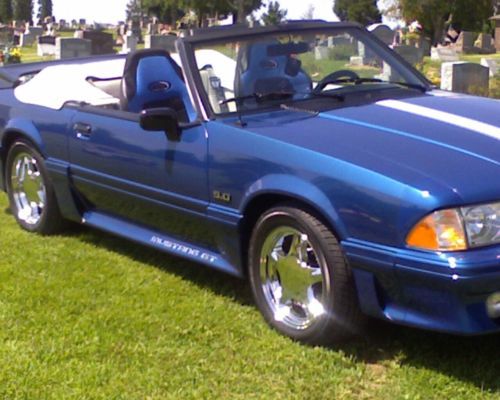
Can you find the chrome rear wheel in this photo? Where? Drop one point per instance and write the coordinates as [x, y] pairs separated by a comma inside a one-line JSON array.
[[28, 188], [31, 194]]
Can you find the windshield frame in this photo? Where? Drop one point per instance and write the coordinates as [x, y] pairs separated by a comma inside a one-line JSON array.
[[219, 35]]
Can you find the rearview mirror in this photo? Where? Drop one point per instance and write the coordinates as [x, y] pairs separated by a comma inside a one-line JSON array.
[[287, 49], [161, 119]]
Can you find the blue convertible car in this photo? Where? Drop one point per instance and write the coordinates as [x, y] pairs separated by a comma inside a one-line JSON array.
[[307, 157]]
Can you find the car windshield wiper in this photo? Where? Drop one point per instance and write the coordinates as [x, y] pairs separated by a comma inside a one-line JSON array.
[[417, 86], [359, 81], [259, 97], [330, 95]]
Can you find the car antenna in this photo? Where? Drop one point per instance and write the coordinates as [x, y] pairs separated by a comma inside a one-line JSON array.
[[240, 117], [238, 101]]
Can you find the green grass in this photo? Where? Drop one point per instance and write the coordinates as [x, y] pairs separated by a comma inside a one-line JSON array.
[[88, 316]]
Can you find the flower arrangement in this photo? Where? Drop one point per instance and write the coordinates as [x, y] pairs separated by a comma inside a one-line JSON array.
[[10, 55]]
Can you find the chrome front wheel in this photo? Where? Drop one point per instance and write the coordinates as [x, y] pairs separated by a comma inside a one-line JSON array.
[[300, 279], [292, 278]]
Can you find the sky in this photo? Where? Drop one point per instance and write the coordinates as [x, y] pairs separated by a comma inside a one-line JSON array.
[[113, 11]]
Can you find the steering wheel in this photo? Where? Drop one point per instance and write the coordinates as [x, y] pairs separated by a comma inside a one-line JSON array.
[[336, 77]]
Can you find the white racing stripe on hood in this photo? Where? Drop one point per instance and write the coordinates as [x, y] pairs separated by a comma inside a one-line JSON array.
[[448, 118]]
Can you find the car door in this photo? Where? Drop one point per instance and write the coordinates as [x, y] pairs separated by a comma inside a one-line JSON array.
[[140, 176]]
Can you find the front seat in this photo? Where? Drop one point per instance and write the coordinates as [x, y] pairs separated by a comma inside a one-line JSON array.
[[153, 79], [259, 72]]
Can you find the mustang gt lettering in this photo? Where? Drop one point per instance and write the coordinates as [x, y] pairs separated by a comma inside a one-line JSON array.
[[341, 190], [179, 248]]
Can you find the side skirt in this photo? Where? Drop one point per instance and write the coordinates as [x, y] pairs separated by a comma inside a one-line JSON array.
[[159, 241]]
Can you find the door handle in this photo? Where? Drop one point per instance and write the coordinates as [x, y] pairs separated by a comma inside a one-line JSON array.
[[83, 131]]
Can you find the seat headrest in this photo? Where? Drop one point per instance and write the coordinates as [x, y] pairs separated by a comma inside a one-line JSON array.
[[132, 63]]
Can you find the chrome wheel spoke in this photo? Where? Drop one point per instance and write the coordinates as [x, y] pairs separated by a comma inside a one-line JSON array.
[[291, 278], [28, 188]]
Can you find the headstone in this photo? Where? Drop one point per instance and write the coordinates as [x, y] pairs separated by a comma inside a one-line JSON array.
[[356, 61], [491, 64], [409, 53], [465, 77], [82, 22], [6, 35], [102, 42], [78, 34], [484, 43], [134, 26], [389, 74], [444, 54], [366, 54], [166, 42], [122, 30], [465, 42], [46, 46], [62, 24], [26, 39], [496, 20], [321, 52], [129, 43], [383, 32], [72, 48], [36, 30], [335, 41], [153, 29], [424, 45]]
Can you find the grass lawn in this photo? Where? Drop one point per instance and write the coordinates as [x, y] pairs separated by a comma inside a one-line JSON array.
[[89, 316]]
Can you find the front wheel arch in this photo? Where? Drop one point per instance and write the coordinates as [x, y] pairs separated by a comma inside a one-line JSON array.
[[264, 202]]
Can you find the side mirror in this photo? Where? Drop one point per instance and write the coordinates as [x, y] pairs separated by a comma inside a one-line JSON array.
[[161, 119]]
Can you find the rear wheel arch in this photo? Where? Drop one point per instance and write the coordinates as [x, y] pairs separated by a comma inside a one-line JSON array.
[[9, 137], [30, 190]]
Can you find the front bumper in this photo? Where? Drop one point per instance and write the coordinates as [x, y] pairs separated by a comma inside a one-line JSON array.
[[437, 291]]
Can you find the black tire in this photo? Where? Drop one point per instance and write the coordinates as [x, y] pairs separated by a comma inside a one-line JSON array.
[[272, 282], [45, 216]]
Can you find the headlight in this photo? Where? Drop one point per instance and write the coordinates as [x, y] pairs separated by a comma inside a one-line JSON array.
[[482, 224], [457, 229]]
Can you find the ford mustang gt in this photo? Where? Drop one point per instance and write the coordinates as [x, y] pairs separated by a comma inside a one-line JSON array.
[[307, 157]]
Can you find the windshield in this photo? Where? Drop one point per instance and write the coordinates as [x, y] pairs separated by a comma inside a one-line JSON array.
[[241, 75]]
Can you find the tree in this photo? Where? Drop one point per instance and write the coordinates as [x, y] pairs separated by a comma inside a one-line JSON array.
[[365, 12], [434, 15], [6, 13], [171, 10], [275, 14], [496, 6], [309, 14], [23, 10], [243, 8], [391, 9], [45, 8], [470, 15]]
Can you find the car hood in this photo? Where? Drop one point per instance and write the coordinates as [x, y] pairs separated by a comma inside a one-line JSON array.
[[439, 139]]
